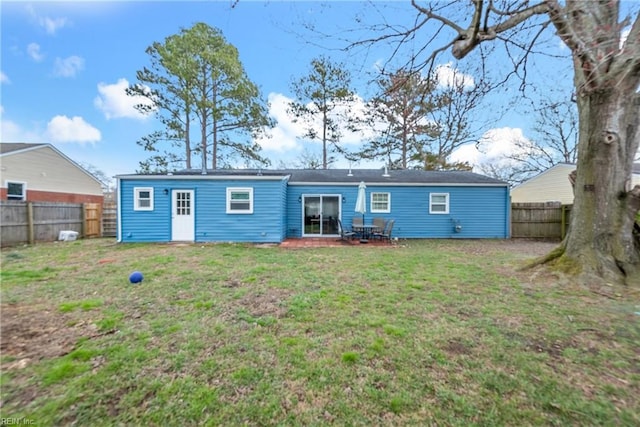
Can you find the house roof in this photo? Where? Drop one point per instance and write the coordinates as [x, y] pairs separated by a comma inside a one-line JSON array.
[[12, 147], [400, 176], [338, 176]]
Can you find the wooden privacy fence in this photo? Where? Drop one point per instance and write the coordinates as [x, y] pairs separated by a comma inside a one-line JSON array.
[[539, 220], [30, 222]]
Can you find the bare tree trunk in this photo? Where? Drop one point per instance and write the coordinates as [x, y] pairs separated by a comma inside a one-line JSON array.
[[214, 120], [187, 140], [324, 138], [600, 242]]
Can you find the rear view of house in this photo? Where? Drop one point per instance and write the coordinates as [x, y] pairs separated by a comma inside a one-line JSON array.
[[268, 206], [41, 173]]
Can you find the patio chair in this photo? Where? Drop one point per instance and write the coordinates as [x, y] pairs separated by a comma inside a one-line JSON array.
[[380, 223], [386, 233], [345, 234], [356, 222]]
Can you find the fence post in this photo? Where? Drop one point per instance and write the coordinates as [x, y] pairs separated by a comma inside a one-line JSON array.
[[30, 229]]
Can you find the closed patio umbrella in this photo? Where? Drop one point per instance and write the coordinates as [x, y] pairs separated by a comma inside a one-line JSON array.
[[361, 201]]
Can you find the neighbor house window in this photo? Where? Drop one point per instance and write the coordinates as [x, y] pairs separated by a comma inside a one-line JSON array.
[[380, 202], [439, 203], [16, 190], [143, 199], [240, 200]]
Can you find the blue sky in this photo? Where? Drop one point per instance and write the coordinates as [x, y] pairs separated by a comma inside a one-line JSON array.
[[65, 66]]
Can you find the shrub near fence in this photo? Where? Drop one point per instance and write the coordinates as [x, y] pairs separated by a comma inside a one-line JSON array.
[[30, 222], [539, 220]]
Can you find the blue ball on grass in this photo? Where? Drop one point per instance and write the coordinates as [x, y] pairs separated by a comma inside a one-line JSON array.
[[136, 277]]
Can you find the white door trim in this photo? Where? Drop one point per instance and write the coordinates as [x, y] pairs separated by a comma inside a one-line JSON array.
[[183, 225]]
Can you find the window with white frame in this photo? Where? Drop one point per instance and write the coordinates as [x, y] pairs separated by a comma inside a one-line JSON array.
[[239, 200], [143, 199], [380, 202], [439, 203], [16, 190]]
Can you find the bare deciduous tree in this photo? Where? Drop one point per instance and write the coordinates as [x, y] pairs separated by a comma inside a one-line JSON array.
[[601, 245]]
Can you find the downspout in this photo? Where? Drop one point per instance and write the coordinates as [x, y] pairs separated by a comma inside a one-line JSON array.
[[118, 212]]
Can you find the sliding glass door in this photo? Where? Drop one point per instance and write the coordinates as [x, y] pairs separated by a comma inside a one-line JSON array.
[[320, 214]]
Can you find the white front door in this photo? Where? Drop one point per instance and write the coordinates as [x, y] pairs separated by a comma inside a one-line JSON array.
[[182, 218]]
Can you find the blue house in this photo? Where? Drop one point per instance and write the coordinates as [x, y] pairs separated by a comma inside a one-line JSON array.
[[268, 206]]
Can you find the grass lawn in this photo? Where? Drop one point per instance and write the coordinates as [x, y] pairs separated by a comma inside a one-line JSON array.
[[424, 333]]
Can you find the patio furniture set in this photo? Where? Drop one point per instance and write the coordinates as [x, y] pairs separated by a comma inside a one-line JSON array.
[[379, 229]]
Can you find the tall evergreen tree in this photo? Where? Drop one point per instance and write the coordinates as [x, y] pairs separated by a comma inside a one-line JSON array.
[[197, 85], [421, 119], [323, 98]]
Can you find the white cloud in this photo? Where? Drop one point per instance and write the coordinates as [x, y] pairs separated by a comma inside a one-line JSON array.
[[114, 102], [288, 133], [4, 78], [50, 25], [448, 76], [283, 137], [75, 129], [493, 148], [12, 132], [68, 67], [33, 50]]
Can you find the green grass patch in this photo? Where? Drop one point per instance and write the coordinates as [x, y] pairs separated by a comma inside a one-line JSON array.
[[85, 305], [424, 333]]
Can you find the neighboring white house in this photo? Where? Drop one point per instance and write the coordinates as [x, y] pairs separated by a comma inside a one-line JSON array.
[[553, 185], [40, 172]]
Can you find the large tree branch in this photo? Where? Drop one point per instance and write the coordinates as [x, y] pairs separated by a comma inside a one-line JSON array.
[[468, 39], [567, 33], [592, 33], [629, 57]]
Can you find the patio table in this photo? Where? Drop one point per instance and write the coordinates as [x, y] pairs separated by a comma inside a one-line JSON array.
[[365, 230]]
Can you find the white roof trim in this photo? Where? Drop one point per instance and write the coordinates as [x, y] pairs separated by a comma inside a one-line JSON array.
[[398, 184], [205, 177]]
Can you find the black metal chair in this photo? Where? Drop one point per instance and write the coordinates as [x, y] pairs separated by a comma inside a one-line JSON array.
[[380, 223], [344, 234], [386, 233]]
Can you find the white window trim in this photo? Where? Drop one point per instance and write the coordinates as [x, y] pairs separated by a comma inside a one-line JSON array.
[[446, 204], [371, 203], [24, 189], [239, 190], [136, 199]]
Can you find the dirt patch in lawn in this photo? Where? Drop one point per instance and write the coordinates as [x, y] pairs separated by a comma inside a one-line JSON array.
[[31, 333], [526, 247]]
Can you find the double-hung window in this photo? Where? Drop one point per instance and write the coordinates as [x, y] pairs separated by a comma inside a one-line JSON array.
[[143, 199], [239, 200], [380, 202], [16, 190], [439, 203]]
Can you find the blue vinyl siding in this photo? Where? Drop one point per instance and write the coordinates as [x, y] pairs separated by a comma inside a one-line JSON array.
[[481, 211], [145, 226], [212, 223]]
